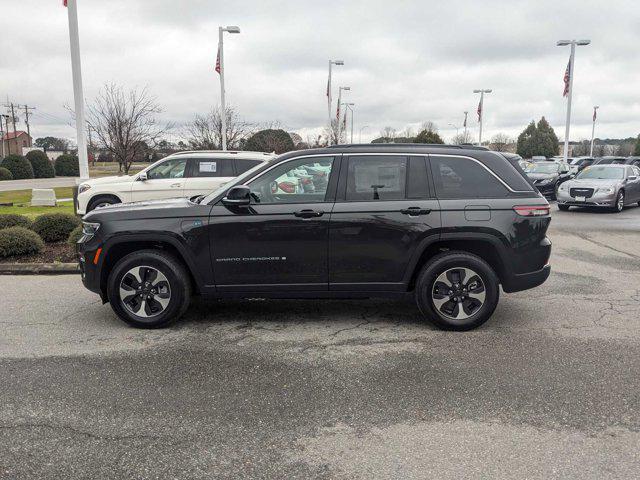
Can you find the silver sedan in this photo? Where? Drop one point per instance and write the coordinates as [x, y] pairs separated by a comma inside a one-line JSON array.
[[610, 186]]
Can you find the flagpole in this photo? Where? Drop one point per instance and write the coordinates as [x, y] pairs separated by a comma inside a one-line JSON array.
[[223, 108], [76, 70], [565, 153], [593, 129]]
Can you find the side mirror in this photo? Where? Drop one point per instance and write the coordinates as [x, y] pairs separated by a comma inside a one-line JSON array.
[[142, 177], [632, 178], [238, 196]]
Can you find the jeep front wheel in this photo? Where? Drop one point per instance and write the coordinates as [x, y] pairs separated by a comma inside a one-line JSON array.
[[149, 289], [457, 291]]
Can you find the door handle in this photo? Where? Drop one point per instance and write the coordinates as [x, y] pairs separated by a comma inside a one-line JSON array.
[[308, 213], [175, 185], [415, 211]]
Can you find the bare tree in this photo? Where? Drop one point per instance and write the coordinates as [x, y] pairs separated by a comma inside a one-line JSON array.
[[205, 132], [336, 133], [388, 134], [501, 142], [462, 138], [124, 123], [429, 126]]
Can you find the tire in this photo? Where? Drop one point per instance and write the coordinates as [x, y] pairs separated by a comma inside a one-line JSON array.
[[162, 301], [441, 269], [618, 206], [563, 208], [101, 201]]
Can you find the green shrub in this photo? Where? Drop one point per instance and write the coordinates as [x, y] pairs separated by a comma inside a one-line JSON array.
[[8, 220], [55, 227], [18, 166], [75, 235], [5, 174], [41, 164], [67, 166], [270, 140], [19, 241]]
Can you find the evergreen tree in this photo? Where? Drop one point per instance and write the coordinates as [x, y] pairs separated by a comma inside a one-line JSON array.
[[537, 139], [636, 151], [428, 136]]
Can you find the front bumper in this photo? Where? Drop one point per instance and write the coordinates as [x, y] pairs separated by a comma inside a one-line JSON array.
[[548, 190], [598, 199]]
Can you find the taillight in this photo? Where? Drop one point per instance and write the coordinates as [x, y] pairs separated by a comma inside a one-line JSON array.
[[532, 210]]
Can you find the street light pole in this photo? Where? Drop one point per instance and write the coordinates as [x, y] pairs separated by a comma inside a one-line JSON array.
[[593, 128], [362, 128], [572, 43], [481, 110], [329, 99], [349, 107], [223, 107]]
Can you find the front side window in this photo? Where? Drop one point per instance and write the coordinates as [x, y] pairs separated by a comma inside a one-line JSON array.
[[458, 177], [297, 181], [376, 178], [173, 168], [213, 167]]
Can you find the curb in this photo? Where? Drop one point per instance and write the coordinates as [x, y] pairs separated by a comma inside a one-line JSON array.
[[38, 268]]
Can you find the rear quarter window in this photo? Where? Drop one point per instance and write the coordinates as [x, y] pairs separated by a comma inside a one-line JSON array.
[[459, 177]]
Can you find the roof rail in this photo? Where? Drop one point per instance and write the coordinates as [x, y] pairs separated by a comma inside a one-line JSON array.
[[408, 145], [189, 152]]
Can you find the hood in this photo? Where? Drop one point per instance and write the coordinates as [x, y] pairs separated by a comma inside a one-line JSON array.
[[542, 176], [111, 179], [169, 207]]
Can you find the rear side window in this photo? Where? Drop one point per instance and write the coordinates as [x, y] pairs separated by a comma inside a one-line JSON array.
[[376, 178], [212, 167], [458, 177], [243, 164]]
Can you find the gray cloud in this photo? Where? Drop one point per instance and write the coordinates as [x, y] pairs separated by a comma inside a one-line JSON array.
[[406, 61]]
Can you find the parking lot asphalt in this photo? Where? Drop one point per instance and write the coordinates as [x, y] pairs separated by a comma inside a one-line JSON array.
[[548, 388]]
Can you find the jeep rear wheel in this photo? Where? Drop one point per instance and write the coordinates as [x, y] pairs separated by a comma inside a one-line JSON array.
[[149, 289], [457, 291]]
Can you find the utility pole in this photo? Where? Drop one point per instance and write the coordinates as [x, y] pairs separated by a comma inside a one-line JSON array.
[[13, 120], [1, 138], [6, 134], [26, 120]]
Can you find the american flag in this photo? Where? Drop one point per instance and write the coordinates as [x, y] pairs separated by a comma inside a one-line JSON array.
[[480, 109], [465, 121], [567, 79], [338, 112], [218, 61], [64, 3], [594, 114], [344, 121]]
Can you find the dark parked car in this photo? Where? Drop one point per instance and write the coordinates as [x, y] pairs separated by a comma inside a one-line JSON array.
[[444, 225], [547, 176], [633, 161]]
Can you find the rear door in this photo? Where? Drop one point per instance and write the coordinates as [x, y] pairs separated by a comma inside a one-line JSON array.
[[205, 174], [384, 211]]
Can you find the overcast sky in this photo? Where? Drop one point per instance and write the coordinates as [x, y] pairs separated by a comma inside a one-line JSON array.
[[406, 61]]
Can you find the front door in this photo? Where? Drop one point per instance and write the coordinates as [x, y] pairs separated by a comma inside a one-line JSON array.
[[165, 180], [383, 213], [279, 242]]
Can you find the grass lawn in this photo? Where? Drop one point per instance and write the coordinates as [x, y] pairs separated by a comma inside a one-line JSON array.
[[21, 199]]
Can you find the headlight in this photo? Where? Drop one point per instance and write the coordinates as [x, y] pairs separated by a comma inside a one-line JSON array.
[[89, 229], [608, 190], [83, 188], [544, 181]]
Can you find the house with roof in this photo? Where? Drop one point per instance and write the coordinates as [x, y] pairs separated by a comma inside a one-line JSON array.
[[14, 142]]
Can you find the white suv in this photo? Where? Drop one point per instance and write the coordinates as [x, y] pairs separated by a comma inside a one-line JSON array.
[[182, 174]]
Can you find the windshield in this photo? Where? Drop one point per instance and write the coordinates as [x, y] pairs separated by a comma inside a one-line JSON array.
[[601, 173], [236, 181], [542, 168]]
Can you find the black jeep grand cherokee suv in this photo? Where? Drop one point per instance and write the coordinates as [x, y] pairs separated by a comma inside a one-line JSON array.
[[443, 224]]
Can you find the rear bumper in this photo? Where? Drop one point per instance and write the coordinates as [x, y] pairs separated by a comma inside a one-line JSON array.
[[525, 281]]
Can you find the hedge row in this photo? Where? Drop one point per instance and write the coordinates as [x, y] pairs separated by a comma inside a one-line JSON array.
[[37, 165], [20, 236]]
